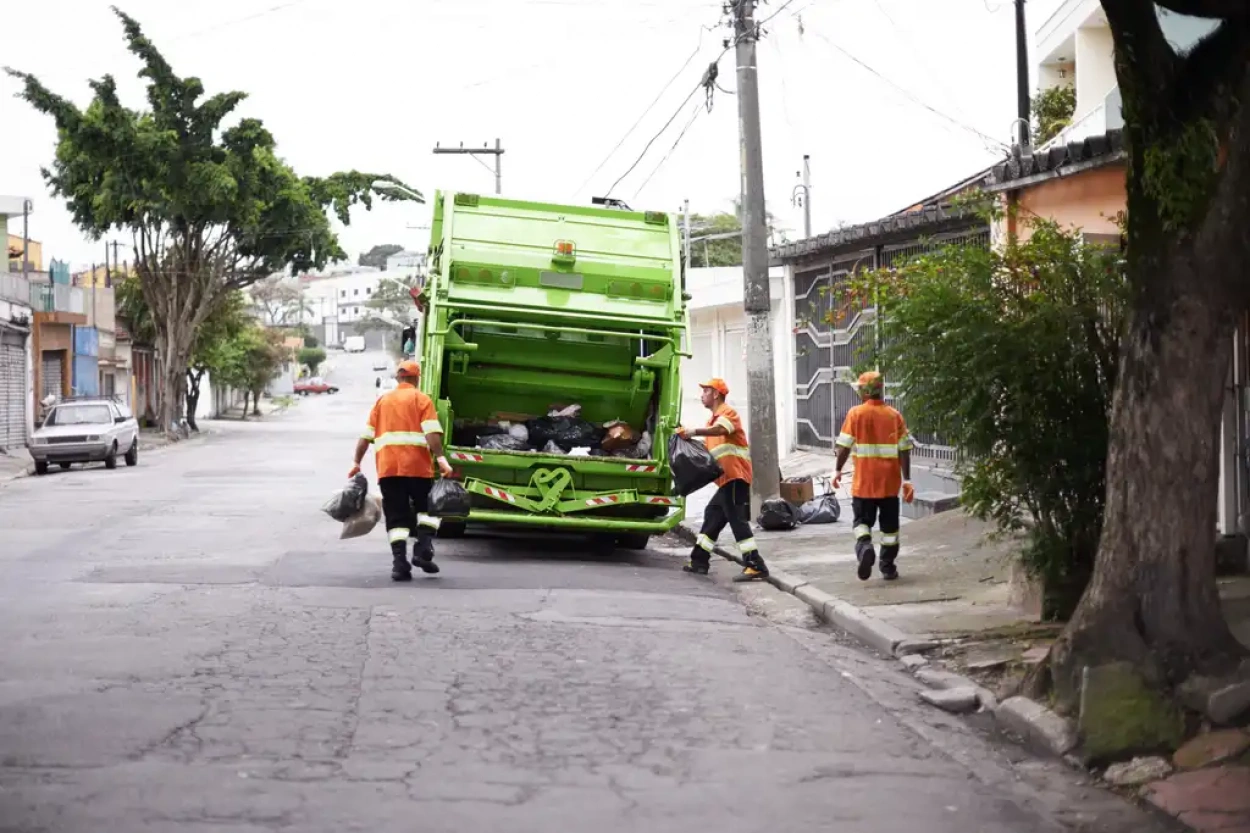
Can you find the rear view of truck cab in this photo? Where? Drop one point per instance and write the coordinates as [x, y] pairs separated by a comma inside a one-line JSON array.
[[551, 343]]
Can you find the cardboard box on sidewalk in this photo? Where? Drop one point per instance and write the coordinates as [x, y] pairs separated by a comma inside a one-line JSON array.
[[797, 490]]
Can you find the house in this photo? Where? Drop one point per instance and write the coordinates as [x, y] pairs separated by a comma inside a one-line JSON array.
[[16, 324], [1077, 178], [407, 261], [716, 340]]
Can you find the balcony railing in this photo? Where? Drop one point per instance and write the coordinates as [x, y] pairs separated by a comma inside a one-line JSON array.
[[14, 287], [57, 297], [1106, 116]]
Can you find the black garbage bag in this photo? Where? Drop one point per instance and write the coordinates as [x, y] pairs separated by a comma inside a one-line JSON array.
[[468, 434], [820, 510], [777, 514], [349, 500], [552, 448], [693, 465], [565, 431], [502, 442], [448, 499]]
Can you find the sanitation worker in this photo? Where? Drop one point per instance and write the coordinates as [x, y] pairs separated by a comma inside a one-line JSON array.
[[408, 440], [731, 505], [877, 435]]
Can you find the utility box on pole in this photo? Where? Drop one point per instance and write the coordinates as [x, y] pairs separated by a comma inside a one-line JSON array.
[[761, 386]]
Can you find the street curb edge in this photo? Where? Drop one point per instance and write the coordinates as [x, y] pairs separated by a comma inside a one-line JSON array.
[[1021, 715]]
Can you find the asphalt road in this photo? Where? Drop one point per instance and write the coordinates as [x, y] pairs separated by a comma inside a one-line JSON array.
[[187, 646]]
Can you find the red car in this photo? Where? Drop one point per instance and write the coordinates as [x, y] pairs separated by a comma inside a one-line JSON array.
[[314, 385]]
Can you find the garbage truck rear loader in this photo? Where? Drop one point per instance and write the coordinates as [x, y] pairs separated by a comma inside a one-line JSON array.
[[530, 310]]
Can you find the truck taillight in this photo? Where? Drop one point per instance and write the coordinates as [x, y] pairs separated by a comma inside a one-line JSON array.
[[566, 251]]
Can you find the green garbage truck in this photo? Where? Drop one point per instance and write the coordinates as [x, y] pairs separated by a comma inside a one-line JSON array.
[[551, 339]]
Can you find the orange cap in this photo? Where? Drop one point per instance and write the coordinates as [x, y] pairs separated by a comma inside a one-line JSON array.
[[409, 368], [717, 385], [871, 383]]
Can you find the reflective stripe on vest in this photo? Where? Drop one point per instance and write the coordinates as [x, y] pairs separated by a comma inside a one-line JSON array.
[[878, 451], [401, 438], [728, 450]]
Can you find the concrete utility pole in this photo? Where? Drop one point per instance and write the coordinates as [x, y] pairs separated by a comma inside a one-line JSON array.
[[496, 151], [685, 219], [805, 185], [1022, 75], [108, 276], [761, 387]]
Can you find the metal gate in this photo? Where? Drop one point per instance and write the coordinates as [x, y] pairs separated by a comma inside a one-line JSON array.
[[831, 343], [12, 390], [52, 370]]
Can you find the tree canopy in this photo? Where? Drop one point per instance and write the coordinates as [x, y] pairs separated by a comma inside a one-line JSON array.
[[209, 203], [376, 256]]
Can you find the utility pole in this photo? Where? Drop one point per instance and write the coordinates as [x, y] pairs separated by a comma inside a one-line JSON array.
[[108, 277], [805, 185], [685, 219], [761, 386], [496, 151], [1022, 75], [27, 207]]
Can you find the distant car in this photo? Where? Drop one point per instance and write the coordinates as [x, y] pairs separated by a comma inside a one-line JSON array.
[[314, 385], [86, 431], [381, 364]]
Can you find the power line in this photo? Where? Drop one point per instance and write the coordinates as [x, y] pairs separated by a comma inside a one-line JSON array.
[[912, 96], [226, 23], [697, 110], [645, 113]]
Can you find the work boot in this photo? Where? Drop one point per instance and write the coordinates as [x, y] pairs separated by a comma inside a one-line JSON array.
[[867, 558], [697, 568], [400, 571], [888, 571], [423, 555], [755, 570]]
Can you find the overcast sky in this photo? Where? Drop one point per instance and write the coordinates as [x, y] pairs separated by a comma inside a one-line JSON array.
[[374, 84]]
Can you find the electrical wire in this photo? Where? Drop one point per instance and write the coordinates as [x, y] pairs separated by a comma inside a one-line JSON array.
[[695, 115], [227, 23], [645, 113], [912, 96]]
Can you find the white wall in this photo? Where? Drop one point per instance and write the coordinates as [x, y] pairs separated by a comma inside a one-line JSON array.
[[1095, 68], [717, 340]]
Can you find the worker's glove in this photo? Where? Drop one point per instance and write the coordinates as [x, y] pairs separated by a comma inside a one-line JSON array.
[[355, 471], [909, 492], [445, 467], [837, 480], [682, 432]]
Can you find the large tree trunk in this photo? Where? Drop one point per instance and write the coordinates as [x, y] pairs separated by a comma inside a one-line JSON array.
[[1152, 600]]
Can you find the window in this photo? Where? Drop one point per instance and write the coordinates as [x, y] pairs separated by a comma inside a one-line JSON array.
[[355, 310], [342, 293], [368, 290], [123, 410], [355, 291], [80, 415]]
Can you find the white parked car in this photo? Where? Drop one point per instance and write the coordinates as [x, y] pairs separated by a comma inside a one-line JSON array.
[[86, 430]]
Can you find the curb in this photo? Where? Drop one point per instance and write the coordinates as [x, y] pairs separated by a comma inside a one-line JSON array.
[[1036, 723]]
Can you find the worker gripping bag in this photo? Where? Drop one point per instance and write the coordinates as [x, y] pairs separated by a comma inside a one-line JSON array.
[[692, 464], [448, 499], [349, 500], [777, 515], [363, 522], [820, 510]]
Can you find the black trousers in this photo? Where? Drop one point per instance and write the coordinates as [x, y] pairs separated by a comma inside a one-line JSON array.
[[730, 506], [404, 504], [866, 512]]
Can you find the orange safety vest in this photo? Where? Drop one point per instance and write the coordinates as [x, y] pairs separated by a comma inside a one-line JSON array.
[[732, 451], [398, 425], [876, 433]]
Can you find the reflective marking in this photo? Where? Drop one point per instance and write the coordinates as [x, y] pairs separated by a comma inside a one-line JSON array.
[[640, 468], [468, 458], [602, 501], [428, 521], [399, 533], [747, 545], [664, 500], [499, 494], [705, 543], [862, 531]]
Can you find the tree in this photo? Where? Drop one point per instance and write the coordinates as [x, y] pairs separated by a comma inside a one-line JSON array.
[[210, 207], [1152, 601], [721, 233], [249, 361], [1010, 355], [1052, 111], [227, 319], [390, 306], [279, 301], [376, 257], [312, 357], [210, 346]]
